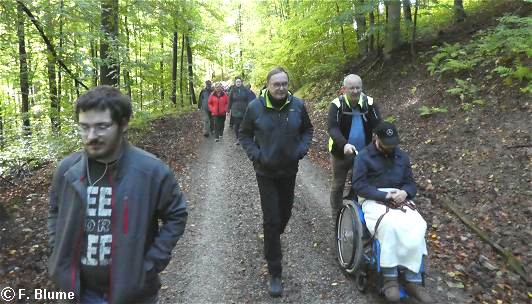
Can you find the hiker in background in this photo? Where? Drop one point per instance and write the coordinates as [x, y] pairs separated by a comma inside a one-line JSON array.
[[385, 186], [203, 105], [238, 102], [116, 211], [350, 122], [252, 94], [218, 107], [276, 133]]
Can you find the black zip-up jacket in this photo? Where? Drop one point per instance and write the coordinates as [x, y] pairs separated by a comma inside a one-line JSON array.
[[339, 122], [276, 139], [375, 170]]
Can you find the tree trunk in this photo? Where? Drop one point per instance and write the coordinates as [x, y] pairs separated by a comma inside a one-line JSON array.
[[459, 12], [1, 125], [109, 69], [93, 55], [60, 53], [24, 83], [378, 39], [360, 18], [393, 28], [190, 72], [341, 31], [55, 108], [371, 32], [127, 78], [414, 28], [173, 93], [161, 74], [181, 70], [407, 11]]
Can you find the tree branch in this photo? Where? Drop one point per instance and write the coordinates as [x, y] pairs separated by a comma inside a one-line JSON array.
[[514, 263], [48, 43]]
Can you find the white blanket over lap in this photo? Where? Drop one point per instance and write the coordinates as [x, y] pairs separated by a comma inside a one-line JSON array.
[[401, 234]]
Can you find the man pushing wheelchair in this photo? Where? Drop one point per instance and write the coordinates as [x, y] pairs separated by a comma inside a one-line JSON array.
[[384, 184]]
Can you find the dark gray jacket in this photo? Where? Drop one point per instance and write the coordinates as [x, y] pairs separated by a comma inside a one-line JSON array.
[[203, 103], [145, 191], [375, 170], [238, 101], [275, 140]]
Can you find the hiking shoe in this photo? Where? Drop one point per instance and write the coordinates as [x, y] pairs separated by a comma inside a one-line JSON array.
[[276, 288], [418, 292], [390, 289]]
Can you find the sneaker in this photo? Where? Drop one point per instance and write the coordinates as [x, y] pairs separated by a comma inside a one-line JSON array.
[[276, 288], [418, 292], [237, 143], [216, 140], [206, 134], [390, 289]]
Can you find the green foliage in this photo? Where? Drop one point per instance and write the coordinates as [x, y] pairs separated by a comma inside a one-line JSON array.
[[425, 111], [505, 48], [390, 119], [30, 152], [466, 90]]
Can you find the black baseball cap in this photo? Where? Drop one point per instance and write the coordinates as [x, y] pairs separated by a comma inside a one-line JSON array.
[[387, 133]]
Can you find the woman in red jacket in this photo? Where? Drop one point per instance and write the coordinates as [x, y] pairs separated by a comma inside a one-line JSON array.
[[218, 106]]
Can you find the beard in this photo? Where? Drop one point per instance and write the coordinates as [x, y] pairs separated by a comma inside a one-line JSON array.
[[104, 147]]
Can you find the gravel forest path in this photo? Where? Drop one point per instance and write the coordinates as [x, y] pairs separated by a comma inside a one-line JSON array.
[[220, 257]]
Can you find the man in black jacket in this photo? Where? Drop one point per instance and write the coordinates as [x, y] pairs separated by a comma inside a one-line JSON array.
[[350, 122], [276, 133]]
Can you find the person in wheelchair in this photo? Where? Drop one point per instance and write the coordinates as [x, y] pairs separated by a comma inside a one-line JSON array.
[[385, 186]]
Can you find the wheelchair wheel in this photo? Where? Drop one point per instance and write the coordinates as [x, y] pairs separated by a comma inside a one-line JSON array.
[[349, 238]]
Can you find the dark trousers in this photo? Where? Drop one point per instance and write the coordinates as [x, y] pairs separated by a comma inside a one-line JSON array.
[[236, 124], [340, 169], [276, 200], [211, 122], [219, 122]]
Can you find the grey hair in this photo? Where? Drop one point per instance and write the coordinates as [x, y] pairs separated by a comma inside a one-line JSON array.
[[352, 77]]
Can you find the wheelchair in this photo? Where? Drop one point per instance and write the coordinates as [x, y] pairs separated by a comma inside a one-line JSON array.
[[358, 253]]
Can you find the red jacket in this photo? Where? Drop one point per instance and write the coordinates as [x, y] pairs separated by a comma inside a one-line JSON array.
[[218, 104]]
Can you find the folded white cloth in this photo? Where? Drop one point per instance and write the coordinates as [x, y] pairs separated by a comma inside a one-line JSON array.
[[401, 234]]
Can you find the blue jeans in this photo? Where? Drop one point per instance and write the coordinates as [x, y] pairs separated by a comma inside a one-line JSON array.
[[410, 276], [92, 297]]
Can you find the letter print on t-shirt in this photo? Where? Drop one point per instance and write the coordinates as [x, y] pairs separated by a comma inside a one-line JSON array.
[[98, 227]]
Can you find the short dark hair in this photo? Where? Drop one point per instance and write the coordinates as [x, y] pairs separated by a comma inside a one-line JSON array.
[[276, 70], [105, 97]]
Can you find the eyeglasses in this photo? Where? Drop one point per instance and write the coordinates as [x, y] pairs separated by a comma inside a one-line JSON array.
[[279, 85], [99, 129]]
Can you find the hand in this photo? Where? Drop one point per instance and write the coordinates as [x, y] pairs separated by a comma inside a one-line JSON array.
[[390, 199], [349, 150], [399, 196]]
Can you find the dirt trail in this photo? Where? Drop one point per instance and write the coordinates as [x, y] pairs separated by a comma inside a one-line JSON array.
[[220, 257]]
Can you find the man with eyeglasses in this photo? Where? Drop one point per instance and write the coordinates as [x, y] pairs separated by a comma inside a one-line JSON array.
[[116, 211], [350, 122], [276, 133]]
